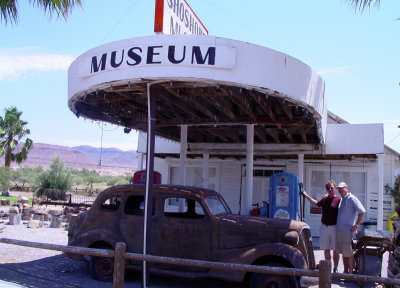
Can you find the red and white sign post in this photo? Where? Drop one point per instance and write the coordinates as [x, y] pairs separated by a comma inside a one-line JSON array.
[[177, 17]]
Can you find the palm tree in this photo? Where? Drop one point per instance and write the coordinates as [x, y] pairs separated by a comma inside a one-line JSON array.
[[9, 8], [361, 5], [12, 132]]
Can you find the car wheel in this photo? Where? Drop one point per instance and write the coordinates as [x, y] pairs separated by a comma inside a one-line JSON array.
[[102, 268], [262, 280]]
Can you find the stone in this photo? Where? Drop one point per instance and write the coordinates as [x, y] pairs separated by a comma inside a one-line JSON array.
[[35, 224], [56, 211], [38, 217], [306, 281], [27, 213], [68, 210], [56, 222], [14, 219], [24, 200], [14, 209]]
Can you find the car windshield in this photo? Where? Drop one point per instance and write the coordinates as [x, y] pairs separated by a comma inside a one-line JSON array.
[[217, 205]]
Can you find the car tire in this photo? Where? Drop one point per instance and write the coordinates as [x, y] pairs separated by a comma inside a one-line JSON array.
[[262, 280], [102, 268]]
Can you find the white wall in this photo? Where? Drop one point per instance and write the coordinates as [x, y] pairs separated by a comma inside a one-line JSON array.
[[230, 184], [230, 180]]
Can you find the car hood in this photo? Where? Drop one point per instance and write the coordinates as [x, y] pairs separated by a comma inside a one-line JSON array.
[[236, 231]]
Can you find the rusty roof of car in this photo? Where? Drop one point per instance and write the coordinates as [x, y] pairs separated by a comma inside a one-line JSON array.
[[165, 188]]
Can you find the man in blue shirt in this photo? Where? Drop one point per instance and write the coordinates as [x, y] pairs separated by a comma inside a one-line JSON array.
[[351, 212]]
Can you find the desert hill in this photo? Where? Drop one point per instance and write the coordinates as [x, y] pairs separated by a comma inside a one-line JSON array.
[[113, 161]]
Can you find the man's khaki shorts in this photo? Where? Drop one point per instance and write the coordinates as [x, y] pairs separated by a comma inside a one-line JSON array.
[[343, 243], [327, 237]]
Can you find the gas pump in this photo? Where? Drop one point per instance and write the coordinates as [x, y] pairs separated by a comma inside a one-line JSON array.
[[139, 177], [284, 195]]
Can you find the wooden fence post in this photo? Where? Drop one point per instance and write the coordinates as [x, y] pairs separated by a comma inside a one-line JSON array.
[[119, 265], [325, 274]]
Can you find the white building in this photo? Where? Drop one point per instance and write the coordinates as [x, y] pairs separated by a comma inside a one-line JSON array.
[[227, 175], [231, 109]]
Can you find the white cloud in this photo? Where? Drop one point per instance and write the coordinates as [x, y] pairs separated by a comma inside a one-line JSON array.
[[339, 70], [16, 63]]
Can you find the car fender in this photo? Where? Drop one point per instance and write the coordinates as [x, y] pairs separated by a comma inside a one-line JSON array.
[[96, 235], [258, 255]]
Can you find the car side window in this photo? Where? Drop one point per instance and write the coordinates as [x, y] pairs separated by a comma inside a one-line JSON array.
[[183, 208], [111, 204], [135, 205]]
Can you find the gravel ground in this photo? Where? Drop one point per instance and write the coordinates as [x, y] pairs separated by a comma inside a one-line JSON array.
[[37, 268]]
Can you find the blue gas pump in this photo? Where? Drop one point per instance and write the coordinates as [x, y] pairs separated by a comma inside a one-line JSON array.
[[283, 195]]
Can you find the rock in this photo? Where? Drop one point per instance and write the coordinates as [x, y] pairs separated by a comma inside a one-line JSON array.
[[56, 222], [14, 209], [39, 217], [5, 202], [40, 212], [24, 200], [306, 281], [56, 211], [17, 204], [14, 219], [35, 224], [68, 210], [27, 213]]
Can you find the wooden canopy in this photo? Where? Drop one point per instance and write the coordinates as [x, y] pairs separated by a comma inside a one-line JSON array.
[[214, 113]]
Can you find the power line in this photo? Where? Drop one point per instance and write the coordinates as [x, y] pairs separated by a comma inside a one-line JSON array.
[[244, 25], [119, 21]]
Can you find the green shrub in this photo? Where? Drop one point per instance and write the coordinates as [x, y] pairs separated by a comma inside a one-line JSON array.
[[57, 175], [57, 178]]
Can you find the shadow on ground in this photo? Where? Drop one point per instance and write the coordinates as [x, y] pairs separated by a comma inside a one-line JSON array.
[[62, 272]]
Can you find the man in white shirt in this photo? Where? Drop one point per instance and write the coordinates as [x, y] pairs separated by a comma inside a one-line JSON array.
[[351, 212]]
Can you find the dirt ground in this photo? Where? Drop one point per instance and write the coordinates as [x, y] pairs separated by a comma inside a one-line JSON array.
[[39, 268]]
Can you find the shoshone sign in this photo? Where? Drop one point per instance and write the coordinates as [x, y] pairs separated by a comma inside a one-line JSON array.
[[177, 17]]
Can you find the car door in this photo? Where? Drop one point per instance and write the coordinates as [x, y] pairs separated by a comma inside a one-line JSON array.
[[131, 222], [182, 231]]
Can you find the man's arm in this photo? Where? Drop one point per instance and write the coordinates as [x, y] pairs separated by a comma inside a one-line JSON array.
[[309, 198], [358, 222]]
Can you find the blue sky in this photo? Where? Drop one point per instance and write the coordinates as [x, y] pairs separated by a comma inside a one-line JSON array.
[[356, 54]]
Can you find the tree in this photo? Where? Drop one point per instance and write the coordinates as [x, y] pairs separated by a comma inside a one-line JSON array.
[[361, 5], [12, 132], [4, 178], [63, 8], [58, 178]]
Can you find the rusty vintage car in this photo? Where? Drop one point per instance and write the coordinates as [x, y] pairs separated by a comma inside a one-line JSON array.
[[192, 223]]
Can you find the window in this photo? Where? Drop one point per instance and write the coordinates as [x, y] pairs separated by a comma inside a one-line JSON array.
[[194, 177], [355, 180], [111, 204], [183, 208], [217, 205], [135, 205]]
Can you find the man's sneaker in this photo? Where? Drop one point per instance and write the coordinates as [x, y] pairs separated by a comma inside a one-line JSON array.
[[335, 269]]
